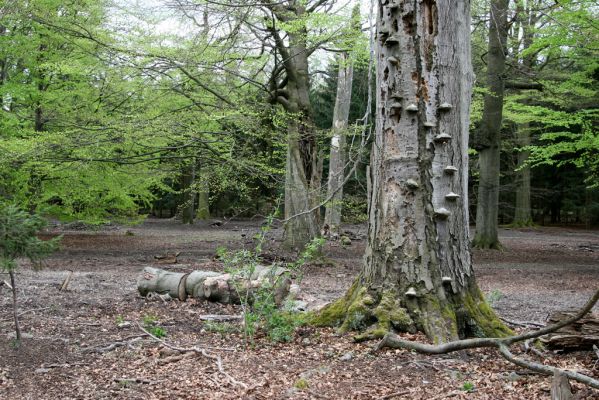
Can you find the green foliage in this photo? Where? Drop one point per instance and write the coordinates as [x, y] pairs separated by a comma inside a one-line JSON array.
[[150, 324], [260, 309], [468, 387], [224, 328], [493, 297], [355, 209], [18, 238]]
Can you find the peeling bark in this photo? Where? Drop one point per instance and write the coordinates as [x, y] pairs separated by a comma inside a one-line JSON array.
[[337, 157], [417, 273]]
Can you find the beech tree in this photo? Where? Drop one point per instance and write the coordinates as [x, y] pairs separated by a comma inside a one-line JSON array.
[[417, 273], [487, 205], [337, 158]]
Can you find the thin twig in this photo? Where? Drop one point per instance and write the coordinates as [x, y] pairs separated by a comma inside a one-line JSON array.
[[25, 312], [216, 358]]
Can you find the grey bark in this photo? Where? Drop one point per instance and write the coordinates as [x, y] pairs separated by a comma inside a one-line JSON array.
[[15, 307], [560, 387], [303, 167], [490, 130], [522, 214], [337, 156], [417, 259]]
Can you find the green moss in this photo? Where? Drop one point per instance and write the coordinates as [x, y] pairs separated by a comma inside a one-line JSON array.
[[334, 313], [486, 243], [358, 312], [485, 322], [375, 333], [301, 384], [390, 314], [439, 321]]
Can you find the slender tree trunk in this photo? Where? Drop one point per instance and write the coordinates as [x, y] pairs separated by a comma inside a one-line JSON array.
[[337, 156], [417, 273], [490, 130], [203, 212], [188, 193], [15, 306], [522, 215]]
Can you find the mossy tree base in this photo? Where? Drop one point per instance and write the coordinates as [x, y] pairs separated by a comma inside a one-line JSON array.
[[481, 242], [374, 313]]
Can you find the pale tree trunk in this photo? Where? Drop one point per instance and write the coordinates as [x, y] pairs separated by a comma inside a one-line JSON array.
[[490, 130], [522, 215], [417, 273], [332, 218], [303, 166]]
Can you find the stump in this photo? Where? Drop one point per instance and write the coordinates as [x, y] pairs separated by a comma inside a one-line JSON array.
[[560, 387], [580, 335], [214, 286]]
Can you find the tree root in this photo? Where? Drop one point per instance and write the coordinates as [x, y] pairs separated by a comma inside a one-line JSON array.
[[200, 351], [128, 342], [502, 345]]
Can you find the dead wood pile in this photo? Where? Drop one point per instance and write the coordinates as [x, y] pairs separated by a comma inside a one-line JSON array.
[[579, 335], [214, 286]]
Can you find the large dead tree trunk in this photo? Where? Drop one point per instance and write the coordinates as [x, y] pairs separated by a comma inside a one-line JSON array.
[[417, 273], [490, 131], [337, 157]]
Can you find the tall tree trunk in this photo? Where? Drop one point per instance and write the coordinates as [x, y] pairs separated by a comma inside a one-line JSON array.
[[522, 215], [303, 168], [203, 212], [490, 130], [337, 158], [188, 193], [417, 273]]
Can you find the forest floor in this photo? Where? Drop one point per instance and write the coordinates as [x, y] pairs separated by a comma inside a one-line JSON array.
[[540, 270]]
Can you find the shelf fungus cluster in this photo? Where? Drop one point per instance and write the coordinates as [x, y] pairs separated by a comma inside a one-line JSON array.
[[442, 213]]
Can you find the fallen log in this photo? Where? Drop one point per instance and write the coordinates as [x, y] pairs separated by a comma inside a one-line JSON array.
[[154, 280], [580, 335], [214, 286]]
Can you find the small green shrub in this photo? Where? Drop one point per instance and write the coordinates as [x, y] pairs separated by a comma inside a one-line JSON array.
[[260, 310], [468, 387], [494, 296], [18, 238], [301, 384], [157, 331], [149, 320]]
